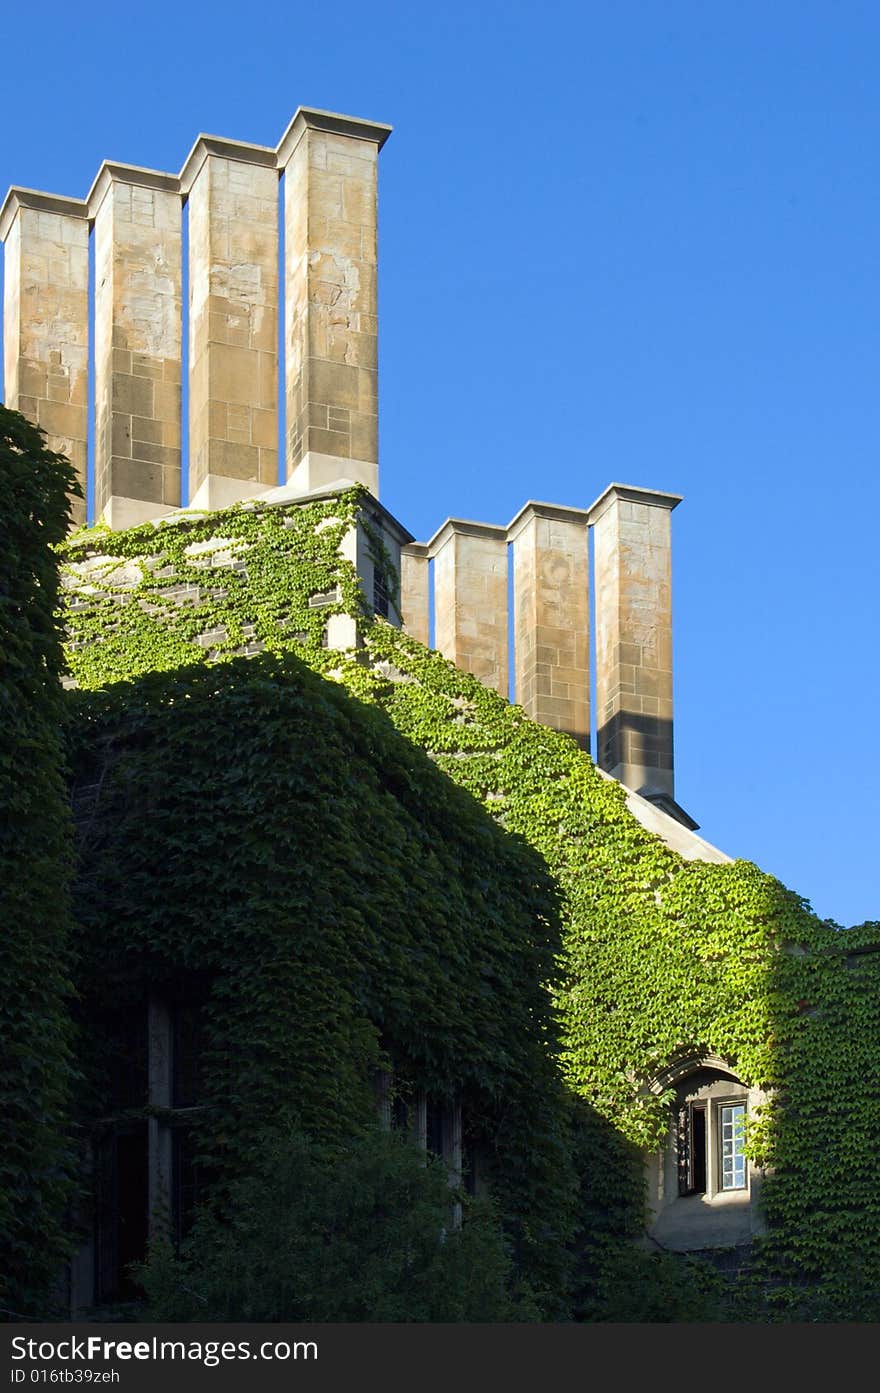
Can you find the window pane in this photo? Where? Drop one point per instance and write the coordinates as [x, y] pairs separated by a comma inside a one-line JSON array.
[[733, 1161], [186, 1055]]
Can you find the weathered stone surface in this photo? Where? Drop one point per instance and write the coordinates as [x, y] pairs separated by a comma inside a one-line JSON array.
[[233, 328], [46, 321], [414, 591], [330, 169], [470, 599], [632, 549], [137, 215], [552, 617]]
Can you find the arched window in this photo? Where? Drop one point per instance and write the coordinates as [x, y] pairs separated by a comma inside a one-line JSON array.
[[702, 1186]]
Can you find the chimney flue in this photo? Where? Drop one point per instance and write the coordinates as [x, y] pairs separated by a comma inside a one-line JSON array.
[[631, 536], [46, 320], [551, 607], [470, 595], [330, 166], [232, 187], [137, 219]]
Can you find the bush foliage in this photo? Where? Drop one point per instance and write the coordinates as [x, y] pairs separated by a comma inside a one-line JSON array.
[[362, 1232]]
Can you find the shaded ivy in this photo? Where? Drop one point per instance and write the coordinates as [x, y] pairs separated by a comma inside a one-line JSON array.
[[35, 866]]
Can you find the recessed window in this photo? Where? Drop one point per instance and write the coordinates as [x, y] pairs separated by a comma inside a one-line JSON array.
[[733, 1160], [380, 591], [711, 1146], [703, 1188]]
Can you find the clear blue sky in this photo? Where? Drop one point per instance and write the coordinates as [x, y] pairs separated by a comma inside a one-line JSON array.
[[629, 241]]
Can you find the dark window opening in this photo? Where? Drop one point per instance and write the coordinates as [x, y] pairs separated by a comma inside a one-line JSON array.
[[469, 1164], [692, 1150], [186, 1054], [434, 1127], [122, 1212], [698, 1151], [380, 591], [126, 1054]]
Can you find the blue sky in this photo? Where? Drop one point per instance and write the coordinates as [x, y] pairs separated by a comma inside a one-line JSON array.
[[619, 241]]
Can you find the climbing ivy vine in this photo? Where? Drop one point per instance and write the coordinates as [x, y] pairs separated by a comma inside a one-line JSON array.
[[657, 957]]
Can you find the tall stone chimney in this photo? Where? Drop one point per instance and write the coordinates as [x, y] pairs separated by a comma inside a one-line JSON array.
[[551, 589], [137, 219], [470, 587], [415, 597], [232, 189], [331, 329], [46, 320], [633, 585]]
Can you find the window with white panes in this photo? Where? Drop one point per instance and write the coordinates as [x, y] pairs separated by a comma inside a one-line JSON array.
[[732, 1119]]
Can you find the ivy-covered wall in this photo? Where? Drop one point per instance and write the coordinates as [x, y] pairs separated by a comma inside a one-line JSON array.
[[245, 823], [658, 957], [35, 865]]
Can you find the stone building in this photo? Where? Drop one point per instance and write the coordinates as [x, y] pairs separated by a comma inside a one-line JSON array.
[[565, 638]]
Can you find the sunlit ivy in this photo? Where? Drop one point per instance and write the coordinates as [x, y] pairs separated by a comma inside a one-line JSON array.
[[657, 957]]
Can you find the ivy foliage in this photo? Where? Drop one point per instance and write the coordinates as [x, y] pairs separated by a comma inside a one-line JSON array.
[[659, 958], [255, 828], [667, 959], [35, 866], [359, 1232]]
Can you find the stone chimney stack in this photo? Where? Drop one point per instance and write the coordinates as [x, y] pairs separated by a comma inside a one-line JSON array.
[[470, 588], [632, 657], [137, 220], [633, 581], [329, 163], [415, 599], [331, 329], [46, 320], [551, 588], [232, 189]]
